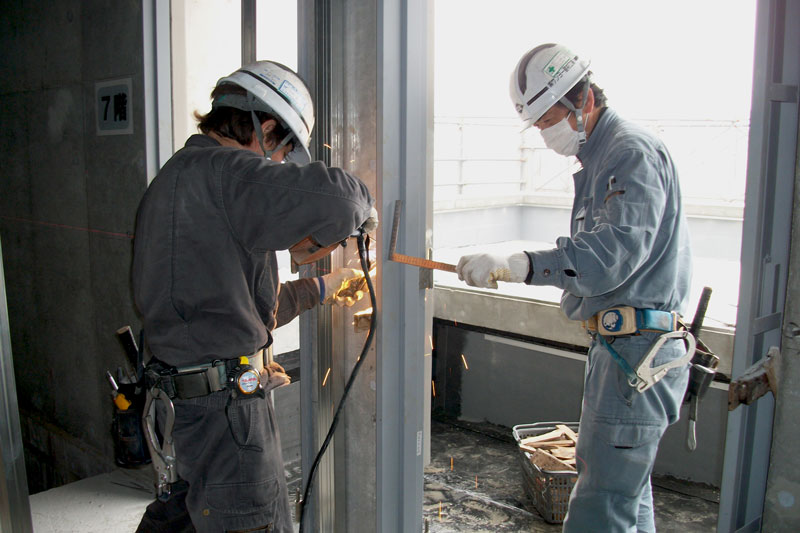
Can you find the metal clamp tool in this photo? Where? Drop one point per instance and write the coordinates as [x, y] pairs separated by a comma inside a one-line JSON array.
[[162, 455], [650, 375]]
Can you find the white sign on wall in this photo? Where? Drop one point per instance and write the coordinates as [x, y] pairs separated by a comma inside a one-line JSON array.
[[113, 106]]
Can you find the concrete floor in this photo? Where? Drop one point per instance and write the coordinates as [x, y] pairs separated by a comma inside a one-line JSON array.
[[482, 493]]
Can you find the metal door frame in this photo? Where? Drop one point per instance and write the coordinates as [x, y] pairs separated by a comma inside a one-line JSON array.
[[402, 100], [766, 240]]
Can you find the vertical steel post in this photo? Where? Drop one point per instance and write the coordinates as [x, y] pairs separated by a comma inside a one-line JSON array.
[[158, 85], [15, 509], [772, 154], [314, 66], [248, 31], [405, 133], [378, 125]]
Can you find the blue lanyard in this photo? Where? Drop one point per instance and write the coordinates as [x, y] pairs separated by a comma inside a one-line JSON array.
[[633, 379]]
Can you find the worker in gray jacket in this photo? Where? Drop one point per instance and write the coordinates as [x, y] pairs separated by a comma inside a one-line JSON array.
[[205, 279], [625, 271]]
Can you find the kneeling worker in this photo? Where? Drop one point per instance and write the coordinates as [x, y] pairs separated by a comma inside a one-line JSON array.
[[205, 279], [625, 270]]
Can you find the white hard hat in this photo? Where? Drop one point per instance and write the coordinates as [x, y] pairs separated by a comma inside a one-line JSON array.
[[542, 77], [277, 90]]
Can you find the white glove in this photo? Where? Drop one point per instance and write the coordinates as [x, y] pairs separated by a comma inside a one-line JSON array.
[[273, 376], [371, 224], [342, 287], [485, 270]]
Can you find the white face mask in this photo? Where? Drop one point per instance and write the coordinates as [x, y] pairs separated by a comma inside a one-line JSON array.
[[561, 138]]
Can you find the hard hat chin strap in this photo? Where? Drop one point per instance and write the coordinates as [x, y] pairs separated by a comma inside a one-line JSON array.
[[260, 135], [257, 125], [579, 111]]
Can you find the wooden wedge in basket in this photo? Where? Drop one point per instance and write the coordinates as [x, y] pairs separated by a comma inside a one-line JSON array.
[[553, 451]]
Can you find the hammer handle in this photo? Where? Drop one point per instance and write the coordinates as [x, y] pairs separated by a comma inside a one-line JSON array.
[[422, 263], [407, 259], [700, 314], [125, 336]]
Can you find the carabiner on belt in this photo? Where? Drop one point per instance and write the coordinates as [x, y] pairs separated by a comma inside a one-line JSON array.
[[645, 376], [650, 375]]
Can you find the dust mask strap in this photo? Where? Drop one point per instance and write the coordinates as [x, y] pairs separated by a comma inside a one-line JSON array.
[[579, 112]]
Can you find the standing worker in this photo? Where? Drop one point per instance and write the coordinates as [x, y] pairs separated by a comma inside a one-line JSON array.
[[625, 271], [205, 279]]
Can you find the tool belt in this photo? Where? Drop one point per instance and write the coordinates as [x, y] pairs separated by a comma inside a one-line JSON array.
[[626, 320], [194, 381]]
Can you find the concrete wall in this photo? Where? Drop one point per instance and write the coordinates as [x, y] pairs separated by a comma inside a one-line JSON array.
[[68, 199]]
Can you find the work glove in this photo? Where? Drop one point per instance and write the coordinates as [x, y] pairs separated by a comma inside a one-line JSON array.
[[371, 224], [273, 376], [345, 286], [485, 270]]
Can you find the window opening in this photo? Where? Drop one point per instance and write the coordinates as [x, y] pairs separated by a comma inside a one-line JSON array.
[[499, 190], [206, 45]]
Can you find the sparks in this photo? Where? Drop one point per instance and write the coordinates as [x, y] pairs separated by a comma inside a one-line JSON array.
[[440, 510], [464, 359], [328, 373], [328, 146], [430, 339], [433, 388], [451, 464]]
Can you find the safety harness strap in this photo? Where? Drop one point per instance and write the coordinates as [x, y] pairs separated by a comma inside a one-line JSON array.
[[623, 364], [625, 321]]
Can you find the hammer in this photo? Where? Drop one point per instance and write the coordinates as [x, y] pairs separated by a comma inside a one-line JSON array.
[[407, 259]]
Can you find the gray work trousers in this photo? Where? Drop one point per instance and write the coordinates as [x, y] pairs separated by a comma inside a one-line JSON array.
[[228, 452], [618, 437]]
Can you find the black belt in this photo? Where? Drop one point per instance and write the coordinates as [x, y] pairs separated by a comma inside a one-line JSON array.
[[197, 380]]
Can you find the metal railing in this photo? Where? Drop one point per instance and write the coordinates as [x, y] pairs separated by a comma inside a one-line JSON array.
[[473, 155]]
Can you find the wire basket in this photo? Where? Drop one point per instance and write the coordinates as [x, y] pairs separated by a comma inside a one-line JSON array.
[[548, 490]]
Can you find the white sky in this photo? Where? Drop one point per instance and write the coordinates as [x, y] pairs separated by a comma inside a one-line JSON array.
[[675, 59]]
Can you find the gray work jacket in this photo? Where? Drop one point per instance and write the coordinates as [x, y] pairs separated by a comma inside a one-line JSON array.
[[205, 275], [629, 241]]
